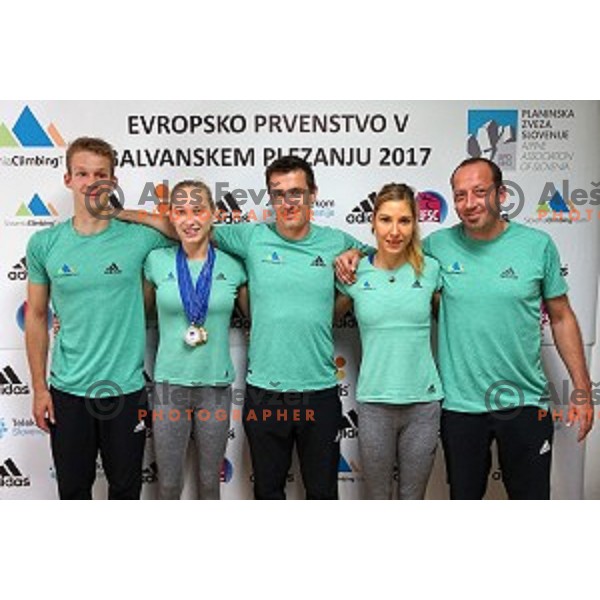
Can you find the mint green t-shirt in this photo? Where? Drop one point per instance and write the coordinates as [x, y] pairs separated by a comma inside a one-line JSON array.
[[489, 325], [291, 287], [393, 310], [177, 362], [95, 286]]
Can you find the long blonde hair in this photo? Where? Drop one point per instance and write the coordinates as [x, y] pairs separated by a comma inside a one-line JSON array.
[[396, 192]]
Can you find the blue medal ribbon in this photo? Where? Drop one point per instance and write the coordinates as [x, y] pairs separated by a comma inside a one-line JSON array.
[[195, 298]]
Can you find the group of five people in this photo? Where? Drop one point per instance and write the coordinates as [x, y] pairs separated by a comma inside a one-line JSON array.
[[485, 277]]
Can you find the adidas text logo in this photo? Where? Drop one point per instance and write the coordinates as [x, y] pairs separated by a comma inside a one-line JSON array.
[[221, 277], [19, 271], [10, 384], [229, 210], [11, 476], [363, 212], [509, 274], [349, 428], [112, 269], [318, 262]]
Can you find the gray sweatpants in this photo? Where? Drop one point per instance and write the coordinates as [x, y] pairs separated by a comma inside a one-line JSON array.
[[205, 411], [403, 434]]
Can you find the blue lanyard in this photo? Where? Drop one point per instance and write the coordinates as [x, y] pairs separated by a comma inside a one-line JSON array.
[[195, 299]]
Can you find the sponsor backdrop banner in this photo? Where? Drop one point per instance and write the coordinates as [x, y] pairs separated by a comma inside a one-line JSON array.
[[549, 152]]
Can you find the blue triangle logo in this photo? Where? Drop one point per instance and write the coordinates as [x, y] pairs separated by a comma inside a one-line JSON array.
[[343, 466], [29, 132], [558, 204], [38, 208]]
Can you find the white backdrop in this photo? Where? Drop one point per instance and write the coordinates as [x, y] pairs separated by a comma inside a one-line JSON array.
[[355, 148]]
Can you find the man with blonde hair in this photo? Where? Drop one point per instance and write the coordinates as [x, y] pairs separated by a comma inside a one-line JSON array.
[[90, 268]]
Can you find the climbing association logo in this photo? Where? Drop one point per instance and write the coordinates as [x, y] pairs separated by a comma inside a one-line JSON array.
[[33, 213], [348, 470], [29, 143], [556, 209], [27, 132], [493, 134]]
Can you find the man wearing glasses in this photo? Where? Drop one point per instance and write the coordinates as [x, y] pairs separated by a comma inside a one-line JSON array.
[[291, 394]]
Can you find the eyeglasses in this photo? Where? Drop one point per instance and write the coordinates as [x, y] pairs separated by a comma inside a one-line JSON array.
[[293, 196]]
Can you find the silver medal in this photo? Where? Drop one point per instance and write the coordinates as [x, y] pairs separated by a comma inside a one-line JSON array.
[[195, 336]]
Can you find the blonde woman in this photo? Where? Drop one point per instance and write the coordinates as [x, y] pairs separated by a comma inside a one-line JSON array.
[[399, 390]]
